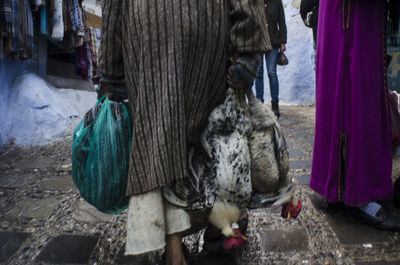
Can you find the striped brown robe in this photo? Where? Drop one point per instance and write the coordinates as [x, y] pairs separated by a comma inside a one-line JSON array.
[[172, 56]]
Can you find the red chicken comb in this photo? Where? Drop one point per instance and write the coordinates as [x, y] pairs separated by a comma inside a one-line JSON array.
[[234, 242], [290, 210]]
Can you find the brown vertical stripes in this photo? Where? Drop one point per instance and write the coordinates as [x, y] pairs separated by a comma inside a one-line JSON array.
[[172, 54]]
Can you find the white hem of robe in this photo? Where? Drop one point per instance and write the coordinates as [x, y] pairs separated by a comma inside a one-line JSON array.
[[149, 220]]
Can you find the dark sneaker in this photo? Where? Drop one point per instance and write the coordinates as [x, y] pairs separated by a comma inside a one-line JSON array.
[[275, 108]]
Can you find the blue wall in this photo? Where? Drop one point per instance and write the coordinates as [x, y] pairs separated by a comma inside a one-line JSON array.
[[9, 70]]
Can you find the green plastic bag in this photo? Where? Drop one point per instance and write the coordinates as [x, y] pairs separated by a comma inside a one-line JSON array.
[[100, 155]]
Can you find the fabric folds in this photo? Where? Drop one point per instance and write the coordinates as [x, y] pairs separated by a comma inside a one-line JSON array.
[[173, 57]]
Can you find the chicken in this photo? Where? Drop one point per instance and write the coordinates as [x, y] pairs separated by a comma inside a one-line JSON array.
[[197, 191], [270, 157], [240, 141], [225, 217], [270, 161], [225, 139], [220, 177]]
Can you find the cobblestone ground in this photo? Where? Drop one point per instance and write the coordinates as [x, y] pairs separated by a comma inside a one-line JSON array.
[[44, 221]]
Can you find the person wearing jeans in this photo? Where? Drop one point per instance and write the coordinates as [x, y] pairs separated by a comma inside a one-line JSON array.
[[278, 35], [271, 60]]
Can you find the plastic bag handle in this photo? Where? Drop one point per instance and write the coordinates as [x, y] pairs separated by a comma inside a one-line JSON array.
[[101, 99]]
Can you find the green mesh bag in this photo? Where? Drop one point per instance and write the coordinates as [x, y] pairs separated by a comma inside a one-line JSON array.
[[100, 155]]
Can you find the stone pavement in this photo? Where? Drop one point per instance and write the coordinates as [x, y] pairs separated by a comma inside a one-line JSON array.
[[43, 220]]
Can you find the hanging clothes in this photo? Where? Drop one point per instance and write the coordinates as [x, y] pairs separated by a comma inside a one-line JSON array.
[[6, 25], [70, 28], [38, 3], [89, 60], [94, 48], [58, 21], [98, 36], [43, 20], [83, 62], [22, 39], [25, 52], [79, 23], [16, 28], [6, 18]]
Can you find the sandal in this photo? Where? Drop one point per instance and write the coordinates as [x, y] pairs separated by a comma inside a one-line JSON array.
[[375, 215]]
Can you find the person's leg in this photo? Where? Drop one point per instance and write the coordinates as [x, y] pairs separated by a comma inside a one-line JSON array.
[[260, 81], [314, 30], [153, 224], [173, 250], [271, 59], [177, 221]]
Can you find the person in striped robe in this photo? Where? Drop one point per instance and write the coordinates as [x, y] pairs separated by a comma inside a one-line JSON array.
[[171, 59]]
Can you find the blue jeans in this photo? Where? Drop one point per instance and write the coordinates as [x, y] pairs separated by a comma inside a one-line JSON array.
[[271, 58]]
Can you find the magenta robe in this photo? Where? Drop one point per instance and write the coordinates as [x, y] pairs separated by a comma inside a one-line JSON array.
[[352, 158]]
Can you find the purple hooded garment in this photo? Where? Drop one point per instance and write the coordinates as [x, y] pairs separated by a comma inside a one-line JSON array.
[[352, 158]]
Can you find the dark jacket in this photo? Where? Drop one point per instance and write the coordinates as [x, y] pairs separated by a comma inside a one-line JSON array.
[[307, 6], [276, 22], [309, 14]]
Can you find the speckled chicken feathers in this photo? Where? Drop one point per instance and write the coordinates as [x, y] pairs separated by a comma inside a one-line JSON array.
[[269, 154], [226, 141], [244, 149]]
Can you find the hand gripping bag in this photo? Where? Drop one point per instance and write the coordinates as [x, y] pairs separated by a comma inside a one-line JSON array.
[[100, 155]]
